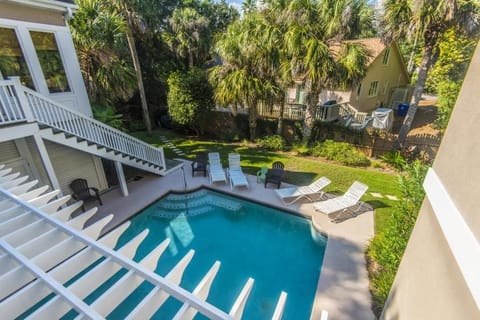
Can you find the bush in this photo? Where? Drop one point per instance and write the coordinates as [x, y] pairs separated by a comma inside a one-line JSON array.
[[109, 116], [274, 142], [395, 159], [341, 152], [386, 249]]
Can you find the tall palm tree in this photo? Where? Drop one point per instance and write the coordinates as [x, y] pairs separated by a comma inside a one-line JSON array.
[[189, 34], [134, 23], [318, 54], [98, 33], [243, 78], [426, 20]]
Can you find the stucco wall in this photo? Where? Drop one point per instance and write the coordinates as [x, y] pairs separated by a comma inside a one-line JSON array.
[[24, 13], [429, 284], [393, 72]]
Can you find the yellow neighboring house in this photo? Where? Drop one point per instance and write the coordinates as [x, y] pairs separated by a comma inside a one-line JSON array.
[[386, 82]]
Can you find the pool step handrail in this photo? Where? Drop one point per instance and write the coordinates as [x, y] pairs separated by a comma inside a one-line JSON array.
[[278, 313]]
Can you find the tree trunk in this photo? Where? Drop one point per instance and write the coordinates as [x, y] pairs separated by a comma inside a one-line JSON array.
[[190, 59], [252, 120], [138, 72], [309, 120], [417, 92], [280, 116]]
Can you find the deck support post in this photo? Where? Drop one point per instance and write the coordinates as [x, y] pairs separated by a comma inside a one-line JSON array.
[[121, 178], [47, 163]]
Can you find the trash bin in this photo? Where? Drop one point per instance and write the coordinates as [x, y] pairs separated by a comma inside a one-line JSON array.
[[402, 109]]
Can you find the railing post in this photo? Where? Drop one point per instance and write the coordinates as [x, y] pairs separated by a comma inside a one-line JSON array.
[[22, 99]]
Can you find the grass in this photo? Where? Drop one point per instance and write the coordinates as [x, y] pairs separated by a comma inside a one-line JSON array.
[[299, 170]]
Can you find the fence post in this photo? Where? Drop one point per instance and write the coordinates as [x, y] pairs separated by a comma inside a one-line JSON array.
[[22, 99]]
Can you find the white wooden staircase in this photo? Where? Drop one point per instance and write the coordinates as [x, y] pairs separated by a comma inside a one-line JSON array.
[[50, 262], [59, 124]]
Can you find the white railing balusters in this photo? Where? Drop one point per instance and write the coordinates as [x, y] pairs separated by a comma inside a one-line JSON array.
[[18, 103]]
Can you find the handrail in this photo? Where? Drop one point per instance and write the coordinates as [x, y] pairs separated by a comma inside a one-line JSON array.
[[10, 106], [48, 112]]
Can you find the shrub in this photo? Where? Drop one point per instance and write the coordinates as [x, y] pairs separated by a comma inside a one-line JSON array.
[[301, 149], [341, 152], [395, 159], [386, 249], [273, 142], [109, 116]]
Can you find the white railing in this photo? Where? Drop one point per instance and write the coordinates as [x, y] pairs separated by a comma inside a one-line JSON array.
[[347, 110], [10, 107], [22, 102]]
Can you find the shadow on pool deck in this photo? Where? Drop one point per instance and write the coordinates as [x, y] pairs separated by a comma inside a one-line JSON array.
[[343, 285]]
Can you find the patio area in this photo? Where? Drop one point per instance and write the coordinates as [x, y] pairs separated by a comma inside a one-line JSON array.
[[342, 289]]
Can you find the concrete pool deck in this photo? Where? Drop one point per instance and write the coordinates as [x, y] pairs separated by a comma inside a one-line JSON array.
[[342, 289]]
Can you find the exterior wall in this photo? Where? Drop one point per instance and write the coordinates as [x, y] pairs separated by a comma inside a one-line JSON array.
[[24, 13], [388, 76], [68, 164], [430, 283]]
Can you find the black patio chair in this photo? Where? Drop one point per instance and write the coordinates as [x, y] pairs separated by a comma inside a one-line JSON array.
[[81, 191], [200, 163], [275, 175]]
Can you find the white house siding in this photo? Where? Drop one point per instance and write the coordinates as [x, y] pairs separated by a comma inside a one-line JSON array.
[[70, 164]]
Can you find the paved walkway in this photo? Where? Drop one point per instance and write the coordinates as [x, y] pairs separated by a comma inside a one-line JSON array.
[[343, 285]]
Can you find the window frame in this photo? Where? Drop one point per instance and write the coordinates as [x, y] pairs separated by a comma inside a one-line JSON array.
[[386, 56], [373, 89]]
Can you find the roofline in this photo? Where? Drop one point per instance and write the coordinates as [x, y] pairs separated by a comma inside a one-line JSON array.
[[47, 4]]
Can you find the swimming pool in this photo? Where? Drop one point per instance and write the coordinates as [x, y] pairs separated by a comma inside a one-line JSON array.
[[280, 251]]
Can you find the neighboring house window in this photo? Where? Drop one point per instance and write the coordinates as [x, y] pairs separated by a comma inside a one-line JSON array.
[[50, 61], [385, 87], [386, 56], [12, 61], [372, 91], [359, 90]]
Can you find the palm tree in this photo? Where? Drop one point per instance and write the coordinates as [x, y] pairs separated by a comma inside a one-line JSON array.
[[426, 20], [244, 76], [318, 54], [189, 34], [98, 36], [134, 22]]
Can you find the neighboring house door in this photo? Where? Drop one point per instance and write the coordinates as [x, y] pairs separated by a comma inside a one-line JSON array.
[[44, 58], [399, 95]]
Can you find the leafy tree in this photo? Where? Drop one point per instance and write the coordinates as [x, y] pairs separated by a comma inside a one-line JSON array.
[[448, 92], [98, 34], [190, 99], [426, 21]]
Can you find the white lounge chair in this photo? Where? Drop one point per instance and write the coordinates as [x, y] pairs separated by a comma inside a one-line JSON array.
[[303, 192], [215, 169], [344, 202], [236, 176]]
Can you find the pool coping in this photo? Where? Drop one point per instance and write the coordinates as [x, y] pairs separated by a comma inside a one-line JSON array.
[[342, 288]]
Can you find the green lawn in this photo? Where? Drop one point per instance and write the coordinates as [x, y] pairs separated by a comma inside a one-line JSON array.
[[299, 170]]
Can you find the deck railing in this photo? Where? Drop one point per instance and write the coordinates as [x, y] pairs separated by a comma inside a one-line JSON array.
[[324, 113], [19, 103]]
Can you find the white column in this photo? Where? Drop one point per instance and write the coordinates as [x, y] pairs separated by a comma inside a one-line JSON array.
[[46, 162], [25, 153], [121, 178]]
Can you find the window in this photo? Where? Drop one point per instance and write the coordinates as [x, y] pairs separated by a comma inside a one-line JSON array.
[[386, 56], [372, 91], [12, 61], [50, 61]]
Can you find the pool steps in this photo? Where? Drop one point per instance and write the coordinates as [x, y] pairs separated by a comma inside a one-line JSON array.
[[39, 240]]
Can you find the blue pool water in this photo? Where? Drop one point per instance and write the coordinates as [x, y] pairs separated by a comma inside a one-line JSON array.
[[278, 250]]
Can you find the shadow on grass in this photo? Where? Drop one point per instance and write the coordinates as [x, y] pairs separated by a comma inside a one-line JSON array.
[[377, 204]]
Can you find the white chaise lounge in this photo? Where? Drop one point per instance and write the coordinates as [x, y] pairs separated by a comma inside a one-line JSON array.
[[216, 173], [344, 202], [235, 174], [297, 193]]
